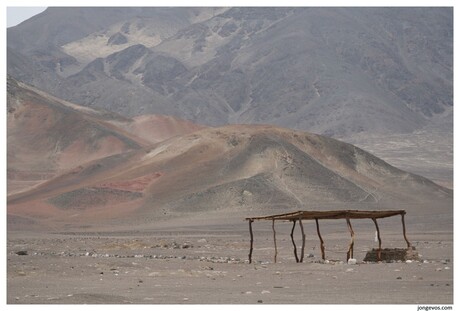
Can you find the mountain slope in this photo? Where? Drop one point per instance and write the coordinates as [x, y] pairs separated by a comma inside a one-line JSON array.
[[333, 71], [47, 136], [240, 168]]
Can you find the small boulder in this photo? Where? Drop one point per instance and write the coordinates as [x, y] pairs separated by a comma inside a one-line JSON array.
[[352, 261]]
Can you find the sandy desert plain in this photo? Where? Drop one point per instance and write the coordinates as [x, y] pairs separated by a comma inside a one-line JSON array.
[[204, 260]]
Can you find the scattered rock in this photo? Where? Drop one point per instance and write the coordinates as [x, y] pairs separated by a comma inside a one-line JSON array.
[[352, 261], [399, 278], [446, 268], [408, 261], [207, 268], [21, 253], [186, 245], [248, 292], [202, 241], [265, 292], [260, 301], [310, 256]]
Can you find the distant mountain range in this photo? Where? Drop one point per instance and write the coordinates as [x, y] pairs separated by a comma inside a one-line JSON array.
[[332, 71]]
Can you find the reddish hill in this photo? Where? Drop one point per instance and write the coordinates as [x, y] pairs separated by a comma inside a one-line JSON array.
[[156, 128], [240, 168], [47, 136]]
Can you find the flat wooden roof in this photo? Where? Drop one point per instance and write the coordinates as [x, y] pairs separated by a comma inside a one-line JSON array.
[[338, 214]]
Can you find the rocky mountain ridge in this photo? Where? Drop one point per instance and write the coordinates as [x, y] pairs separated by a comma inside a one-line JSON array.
[[332, 71]]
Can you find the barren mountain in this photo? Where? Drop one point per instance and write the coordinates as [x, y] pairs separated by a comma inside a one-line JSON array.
[[333, 71], [47, 136], [239, 167], [367, 74]]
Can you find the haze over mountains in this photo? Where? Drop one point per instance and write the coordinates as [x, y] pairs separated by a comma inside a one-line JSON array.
[[333, 71]]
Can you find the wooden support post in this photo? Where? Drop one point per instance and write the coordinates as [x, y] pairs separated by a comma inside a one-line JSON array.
[[379, 251], [252, 240], [302, 252], [352, 242], [293, 242], [323, 256], [404, 231], [274, 238]]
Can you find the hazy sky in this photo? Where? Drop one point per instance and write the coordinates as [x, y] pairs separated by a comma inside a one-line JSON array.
[[16, 15]]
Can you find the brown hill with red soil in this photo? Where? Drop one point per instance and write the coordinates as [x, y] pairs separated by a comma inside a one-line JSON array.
[[234, 168], [47, 136], [156, 128]]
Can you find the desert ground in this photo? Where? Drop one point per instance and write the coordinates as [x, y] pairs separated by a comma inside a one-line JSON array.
[[204, 260]]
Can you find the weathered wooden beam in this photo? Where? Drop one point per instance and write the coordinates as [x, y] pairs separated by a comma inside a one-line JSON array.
[[404, 230], [252, 240], [293, 242], [323, 255], [352, 242], [379, 251], [302, 251], [274, 240]]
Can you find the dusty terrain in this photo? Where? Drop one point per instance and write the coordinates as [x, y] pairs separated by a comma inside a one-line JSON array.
[[193, 260]]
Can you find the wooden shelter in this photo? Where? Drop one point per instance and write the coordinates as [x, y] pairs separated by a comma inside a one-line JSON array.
[[317, 215]]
